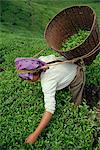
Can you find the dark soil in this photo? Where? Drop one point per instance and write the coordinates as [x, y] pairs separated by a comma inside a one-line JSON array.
[[1, 69], [92, 95], [96, 136]]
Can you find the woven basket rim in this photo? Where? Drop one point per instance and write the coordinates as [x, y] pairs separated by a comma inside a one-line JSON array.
[[94, 20]]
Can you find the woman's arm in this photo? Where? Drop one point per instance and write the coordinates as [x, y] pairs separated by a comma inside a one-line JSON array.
[[43, 123]]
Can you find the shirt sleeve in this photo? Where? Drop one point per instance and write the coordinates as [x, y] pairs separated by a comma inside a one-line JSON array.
[[49, 90]]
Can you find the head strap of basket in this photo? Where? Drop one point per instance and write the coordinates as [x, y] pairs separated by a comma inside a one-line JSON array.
[[68, 22]]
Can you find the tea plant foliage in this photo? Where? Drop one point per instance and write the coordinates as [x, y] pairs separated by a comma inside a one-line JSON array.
[[75, 40], [21, 103]]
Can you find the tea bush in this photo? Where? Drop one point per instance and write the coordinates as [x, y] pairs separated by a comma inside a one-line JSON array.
[[22, 107], [93, 72], [22, 103]]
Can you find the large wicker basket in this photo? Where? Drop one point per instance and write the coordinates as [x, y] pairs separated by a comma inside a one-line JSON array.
[[67, 23]]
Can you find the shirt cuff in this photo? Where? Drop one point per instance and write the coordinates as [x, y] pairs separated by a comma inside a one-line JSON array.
[[51, 111]]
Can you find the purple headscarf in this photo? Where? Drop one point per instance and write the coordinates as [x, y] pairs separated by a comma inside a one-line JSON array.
[[29, 64]]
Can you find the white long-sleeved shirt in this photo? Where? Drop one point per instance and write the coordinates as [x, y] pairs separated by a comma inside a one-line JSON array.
[[55, 78]]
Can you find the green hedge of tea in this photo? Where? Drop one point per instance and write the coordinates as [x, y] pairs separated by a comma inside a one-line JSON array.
[[22, 106], [22, 103]]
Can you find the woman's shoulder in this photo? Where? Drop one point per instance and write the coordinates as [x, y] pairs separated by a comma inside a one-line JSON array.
[[48, 58]]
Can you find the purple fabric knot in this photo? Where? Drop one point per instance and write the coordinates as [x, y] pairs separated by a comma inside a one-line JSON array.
[[29, 64]]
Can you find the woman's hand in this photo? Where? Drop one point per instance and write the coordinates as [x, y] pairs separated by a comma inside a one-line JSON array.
[[31, 138], [43, 123]]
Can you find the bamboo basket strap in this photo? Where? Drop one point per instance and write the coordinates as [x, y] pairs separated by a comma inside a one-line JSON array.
[[78, 58], [39, 53], [66, 61]]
